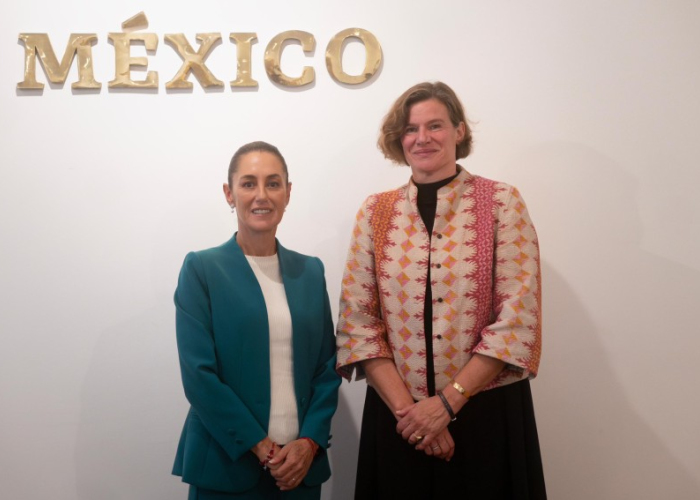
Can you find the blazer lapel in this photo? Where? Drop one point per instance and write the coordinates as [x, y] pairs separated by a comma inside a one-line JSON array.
[[292, 269], [248, 311]]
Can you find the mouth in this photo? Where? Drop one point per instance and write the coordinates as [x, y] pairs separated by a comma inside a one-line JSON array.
[[424, 152], [261, 211]]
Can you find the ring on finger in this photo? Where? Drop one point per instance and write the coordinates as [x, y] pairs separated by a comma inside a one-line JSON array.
[[418, 438], [435, 448]]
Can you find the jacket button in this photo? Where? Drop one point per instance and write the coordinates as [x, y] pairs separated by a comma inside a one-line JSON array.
[[439, 337], [438, 266], [439, 236], [440, 299]]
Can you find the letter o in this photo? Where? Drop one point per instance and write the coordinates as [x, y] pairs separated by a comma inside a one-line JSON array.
[[373, 56]]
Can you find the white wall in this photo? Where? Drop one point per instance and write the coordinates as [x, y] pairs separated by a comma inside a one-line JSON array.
[[590, 108]]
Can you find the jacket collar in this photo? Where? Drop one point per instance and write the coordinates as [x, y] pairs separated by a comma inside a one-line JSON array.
[[233, 246], [456, 189], [284, 256]]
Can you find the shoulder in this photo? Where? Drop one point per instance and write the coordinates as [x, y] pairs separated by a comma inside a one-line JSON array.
[[225, 249], [384, 197], [383, 205], [200, 262], [291, 259], [501, 192], [484, 182]]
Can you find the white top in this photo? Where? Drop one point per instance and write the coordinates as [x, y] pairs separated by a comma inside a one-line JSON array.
[[284, 423]]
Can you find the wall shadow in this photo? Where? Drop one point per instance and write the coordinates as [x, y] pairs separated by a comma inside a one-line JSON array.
[[612, 399]]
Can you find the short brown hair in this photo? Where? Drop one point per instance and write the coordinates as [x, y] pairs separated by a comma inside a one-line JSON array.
[[257, 146], [395, 121]]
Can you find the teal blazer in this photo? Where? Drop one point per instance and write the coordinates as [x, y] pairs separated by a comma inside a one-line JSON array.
[[223, 344]]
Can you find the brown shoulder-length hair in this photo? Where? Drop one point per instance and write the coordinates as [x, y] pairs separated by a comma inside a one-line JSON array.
[[396, 119]]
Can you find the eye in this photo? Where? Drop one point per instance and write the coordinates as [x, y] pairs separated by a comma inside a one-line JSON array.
[[247, 184], [410, 130], [274, 184], [435, 126]]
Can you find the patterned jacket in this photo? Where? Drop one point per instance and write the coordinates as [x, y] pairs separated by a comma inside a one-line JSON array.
[[484, 274]]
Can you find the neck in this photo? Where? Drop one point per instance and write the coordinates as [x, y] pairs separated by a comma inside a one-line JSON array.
[[431, 177], [257, 245]]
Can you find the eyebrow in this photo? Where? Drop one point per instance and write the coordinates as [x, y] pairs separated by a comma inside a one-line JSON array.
[[436, 120], [271, 176]]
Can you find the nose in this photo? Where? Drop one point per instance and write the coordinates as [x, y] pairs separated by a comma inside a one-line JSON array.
[[261, 193], [423, 136]]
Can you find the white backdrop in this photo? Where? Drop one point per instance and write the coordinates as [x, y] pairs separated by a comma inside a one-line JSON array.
[[590, 108]]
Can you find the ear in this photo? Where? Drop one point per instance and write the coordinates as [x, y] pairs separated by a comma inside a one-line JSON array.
[[229, 195], [289, 192], [461, 132]]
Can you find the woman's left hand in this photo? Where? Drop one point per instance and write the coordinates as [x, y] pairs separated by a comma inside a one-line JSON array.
[[443, 446], [290, 465], [421, 422]]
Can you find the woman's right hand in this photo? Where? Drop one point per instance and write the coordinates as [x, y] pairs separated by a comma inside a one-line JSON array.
[[426, 418], [443, 446], [262, 449], [292, 464]]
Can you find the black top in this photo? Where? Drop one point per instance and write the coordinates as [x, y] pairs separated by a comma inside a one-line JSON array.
[[427, 200], [427, 206]]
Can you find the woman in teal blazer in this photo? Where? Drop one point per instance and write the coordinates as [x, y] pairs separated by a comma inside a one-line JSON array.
[[229, 302]]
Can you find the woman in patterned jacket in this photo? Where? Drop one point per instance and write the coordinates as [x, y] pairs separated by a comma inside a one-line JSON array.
[[440, 311]]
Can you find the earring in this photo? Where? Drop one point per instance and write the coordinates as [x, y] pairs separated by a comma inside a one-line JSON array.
[[233, 208]]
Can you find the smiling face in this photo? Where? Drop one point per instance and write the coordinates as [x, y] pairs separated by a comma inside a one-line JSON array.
[[430, 141], [260, 193]]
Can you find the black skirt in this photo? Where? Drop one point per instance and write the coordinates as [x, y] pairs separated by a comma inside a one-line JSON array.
[[497, 453]]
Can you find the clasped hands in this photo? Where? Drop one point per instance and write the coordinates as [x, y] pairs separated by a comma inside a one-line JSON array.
[[288, 465], [424, 424]]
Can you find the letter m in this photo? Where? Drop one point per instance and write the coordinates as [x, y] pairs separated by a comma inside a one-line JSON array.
[[39, 43]]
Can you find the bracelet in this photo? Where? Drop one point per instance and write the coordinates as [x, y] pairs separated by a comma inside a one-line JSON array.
[[461, 390], [314, 447], [453, 417], [270, 454]]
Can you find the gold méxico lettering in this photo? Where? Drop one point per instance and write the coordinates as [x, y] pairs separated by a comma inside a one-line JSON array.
[[193, 61]]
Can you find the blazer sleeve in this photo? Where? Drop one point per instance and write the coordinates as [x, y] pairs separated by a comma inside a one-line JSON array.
[[362, 332], [325, 381], [514, 336], [222, 412]]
